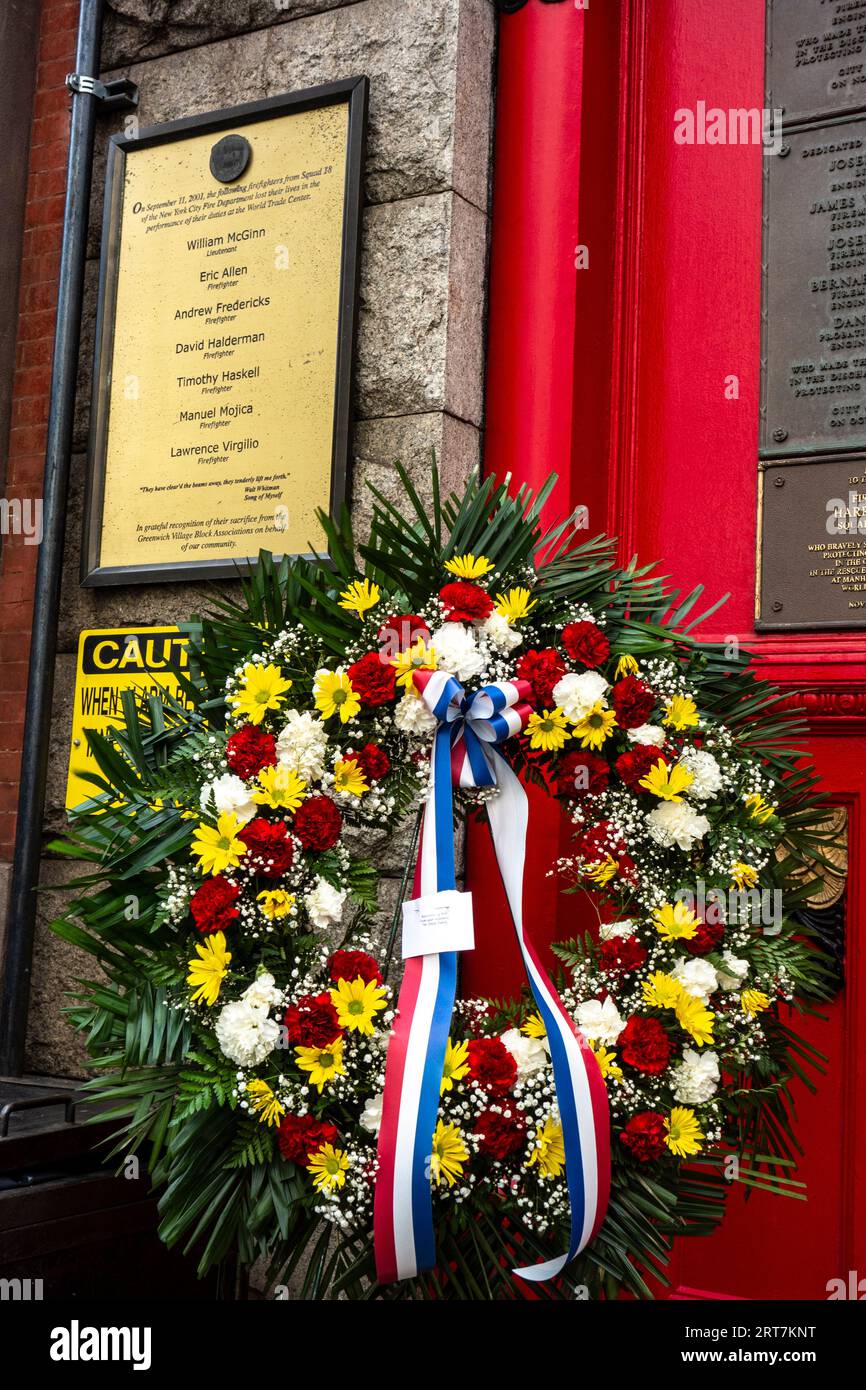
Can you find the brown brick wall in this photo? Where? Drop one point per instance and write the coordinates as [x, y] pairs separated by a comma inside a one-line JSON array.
[[34, 338]]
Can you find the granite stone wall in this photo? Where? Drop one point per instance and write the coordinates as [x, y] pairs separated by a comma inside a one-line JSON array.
[[421, 335]]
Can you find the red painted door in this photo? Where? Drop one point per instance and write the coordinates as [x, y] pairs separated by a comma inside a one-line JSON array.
[[639, 353]]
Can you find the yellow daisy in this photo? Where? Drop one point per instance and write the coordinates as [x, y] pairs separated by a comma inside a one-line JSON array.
[[218, 848], [675, 921], [281, 788], [334, 694], [684, 1133], [357, 1003], [667, 782], [548, 730], [275, 903], [549, 1151], [208, 972], [418, 657], [515, 605], [533, 1026], [694, 1018], [322, 1063], [759, 809], [468, 567], [348, 777], [681, 712], [264, 1102], [329, 1167], [360, 597], [264, 689], [448, 1155], [743, 875], [595, 727], [601, 871], [754, 1001], [607, 1062], [626, 666], [456, 1065], [661, 991]]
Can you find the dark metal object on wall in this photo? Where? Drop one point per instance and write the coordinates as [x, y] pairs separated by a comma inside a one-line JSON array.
[[816, 56], [21, 920], [811, 546]]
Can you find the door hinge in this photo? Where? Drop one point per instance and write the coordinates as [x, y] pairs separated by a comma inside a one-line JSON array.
[[121, 94]]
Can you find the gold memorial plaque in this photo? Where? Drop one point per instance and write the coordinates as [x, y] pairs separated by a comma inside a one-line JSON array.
[[225, 336]]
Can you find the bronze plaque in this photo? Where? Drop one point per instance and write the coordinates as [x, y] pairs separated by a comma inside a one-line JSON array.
[[812, 545], [816, 55], [814, 368]]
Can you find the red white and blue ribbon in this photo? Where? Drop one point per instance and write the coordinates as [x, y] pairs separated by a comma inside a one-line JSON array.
[[465, 754]]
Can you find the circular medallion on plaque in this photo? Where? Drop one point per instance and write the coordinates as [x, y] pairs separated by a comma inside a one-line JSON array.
[[230, 157]]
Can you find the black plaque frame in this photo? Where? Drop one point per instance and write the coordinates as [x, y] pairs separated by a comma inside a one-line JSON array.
[[352, 91]]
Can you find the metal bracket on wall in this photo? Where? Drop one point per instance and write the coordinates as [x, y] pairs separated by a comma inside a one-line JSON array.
[[121, 94]]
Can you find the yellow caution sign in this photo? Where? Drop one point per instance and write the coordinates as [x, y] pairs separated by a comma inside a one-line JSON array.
[[111, 660]]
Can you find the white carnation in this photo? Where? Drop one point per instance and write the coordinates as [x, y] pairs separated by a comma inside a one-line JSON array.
[[457, 651], [733, 972], [262, 994], [650, 735], [706, 774], [696, 976], [676, 823], [371, 1116], [576, 694], [696, 1078], [324, 904], [600, 1022], [412, 716], [228, 794], [246, 1035], [530, 1054], [609, 930], [499, 633], [302, 745]]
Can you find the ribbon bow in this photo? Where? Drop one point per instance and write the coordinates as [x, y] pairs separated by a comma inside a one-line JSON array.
[[465, 753]]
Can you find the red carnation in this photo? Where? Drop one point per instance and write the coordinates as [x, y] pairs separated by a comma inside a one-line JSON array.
[[543, 670], [301, 1136], [581, 774], [492, 1065], [585, 642], [622, 953], [501, 1133], [708, 937], [633, 702], [599, 840], [373, 761], [465, 602], [373, 679], [635, 764], [318, 822], [269, 847], [644, 1136], [349, 965], [311, 1021], [400, 632], [212, 905], [249, 750], [645, 1045]]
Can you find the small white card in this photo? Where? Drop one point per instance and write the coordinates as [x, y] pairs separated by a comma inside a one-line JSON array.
[[438, 922]]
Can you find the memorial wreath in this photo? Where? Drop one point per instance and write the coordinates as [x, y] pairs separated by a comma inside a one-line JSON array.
[[248, 1040]]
